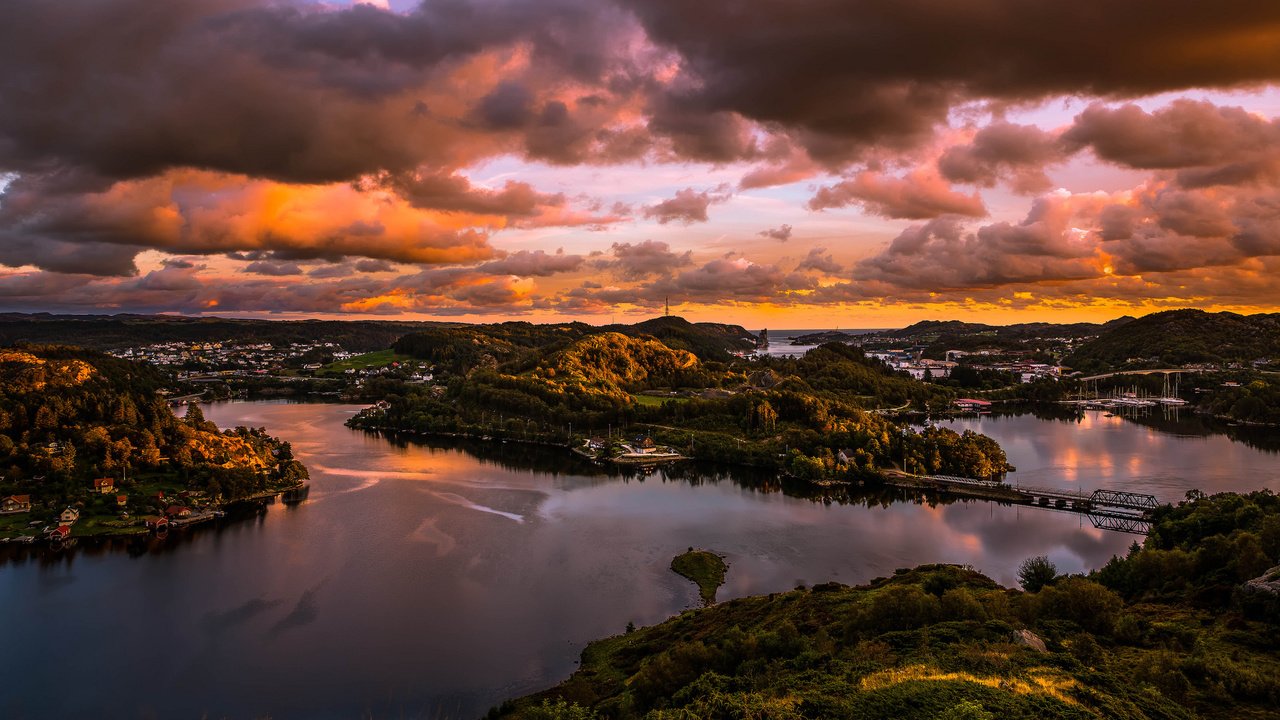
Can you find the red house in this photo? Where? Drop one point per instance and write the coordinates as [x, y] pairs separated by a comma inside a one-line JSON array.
[[104, 485], [178, 511], [62, 532]]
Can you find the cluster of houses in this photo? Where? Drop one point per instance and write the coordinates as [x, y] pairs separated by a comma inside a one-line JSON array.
[[248, 357], [415, 372], [232, 359], [910, 362], [14, 504], [917, 367], [640, 449]]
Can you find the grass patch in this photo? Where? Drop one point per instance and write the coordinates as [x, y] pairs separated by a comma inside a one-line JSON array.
[[648, 400], [704, 568], [16, 525], [380, 358]]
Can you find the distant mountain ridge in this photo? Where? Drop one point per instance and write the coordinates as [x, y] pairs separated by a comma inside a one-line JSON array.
[[1017, 330], [109, 332]]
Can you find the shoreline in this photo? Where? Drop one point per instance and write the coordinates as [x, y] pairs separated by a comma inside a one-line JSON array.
[[222, 511]]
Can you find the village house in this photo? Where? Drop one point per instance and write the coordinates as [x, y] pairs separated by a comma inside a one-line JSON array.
[[62, 532], [15, 504], [122, 500], [68, 516], [106, 485], [178, 511]]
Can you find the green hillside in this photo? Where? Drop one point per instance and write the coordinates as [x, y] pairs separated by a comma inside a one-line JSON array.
[[1170, 632], [1180, 337], [69, 416], [518, 346]]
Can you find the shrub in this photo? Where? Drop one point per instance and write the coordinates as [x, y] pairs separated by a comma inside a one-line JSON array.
[[1037, 572]]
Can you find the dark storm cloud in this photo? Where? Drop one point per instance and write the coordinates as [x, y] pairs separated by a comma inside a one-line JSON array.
[[130, 88], [279, 133], [842, 74]]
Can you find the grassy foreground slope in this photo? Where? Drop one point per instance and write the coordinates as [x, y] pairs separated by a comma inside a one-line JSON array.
[[1132, 641]]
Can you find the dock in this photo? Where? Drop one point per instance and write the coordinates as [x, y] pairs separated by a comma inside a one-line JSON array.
[[1116, 510]]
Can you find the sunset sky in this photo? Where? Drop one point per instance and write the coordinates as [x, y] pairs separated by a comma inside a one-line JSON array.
[[780, 163]]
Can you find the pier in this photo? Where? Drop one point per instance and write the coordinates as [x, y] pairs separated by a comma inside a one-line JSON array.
[[1116, 510]]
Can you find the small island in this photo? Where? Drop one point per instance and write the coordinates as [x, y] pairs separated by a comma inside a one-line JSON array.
[[704, 568]]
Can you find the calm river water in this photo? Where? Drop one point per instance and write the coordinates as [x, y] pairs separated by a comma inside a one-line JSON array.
[[422, 580]]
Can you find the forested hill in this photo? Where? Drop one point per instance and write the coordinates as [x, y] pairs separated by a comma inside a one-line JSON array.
[[109, 332], [1180, 337], [68, 416], [709, 341], [931, 329], [462, 347]]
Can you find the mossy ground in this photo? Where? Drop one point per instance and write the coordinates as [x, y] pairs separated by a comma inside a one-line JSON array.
[[704, 568]]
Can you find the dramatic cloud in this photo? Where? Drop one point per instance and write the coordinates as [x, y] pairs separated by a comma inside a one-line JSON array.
[[451, 192], [204, 213], [940, 255], [918, 195], [636, 261], [1003, 150], [842, 75], [314, 157], [687, 207], [1208, 145]]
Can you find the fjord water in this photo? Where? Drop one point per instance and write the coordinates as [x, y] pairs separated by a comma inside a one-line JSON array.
[[423, 581]]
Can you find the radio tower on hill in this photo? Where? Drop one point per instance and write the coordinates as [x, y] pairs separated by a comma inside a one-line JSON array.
[[668, 312]]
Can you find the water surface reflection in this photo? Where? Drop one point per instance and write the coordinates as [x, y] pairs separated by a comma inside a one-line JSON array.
[[429, 579]]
